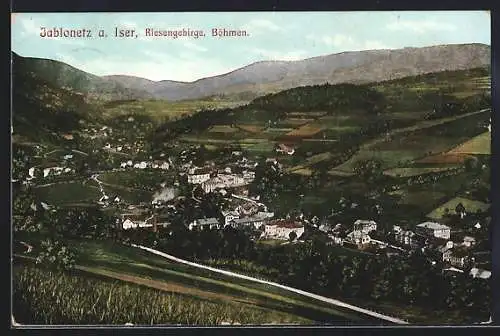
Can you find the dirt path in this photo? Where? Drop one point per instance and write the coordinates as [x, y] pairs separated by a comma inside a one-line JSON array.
[[333, 302], [164, 286]]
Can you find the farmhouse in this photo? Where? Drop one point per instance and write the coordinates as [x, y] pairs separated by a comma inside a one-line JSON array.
[[204, 223], [141, 220], [434, 229], [200, 175], [281, 229]]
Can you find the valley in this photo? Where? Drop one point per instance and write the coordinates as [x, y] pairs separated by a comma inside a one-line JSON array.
[[323, 186]]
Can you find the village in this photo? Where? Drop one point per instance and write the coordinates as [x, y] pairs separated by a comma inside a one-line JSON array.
[[228, 179]]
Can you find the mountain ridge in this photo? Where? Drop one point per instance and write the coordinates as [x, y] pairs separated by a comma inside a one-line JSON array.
[[263, 77]]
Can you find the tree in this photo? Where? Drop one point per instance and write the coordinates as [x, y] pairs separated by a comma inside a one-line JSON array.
[[369, 170], [460, 209], [54, 254], [292, 236]]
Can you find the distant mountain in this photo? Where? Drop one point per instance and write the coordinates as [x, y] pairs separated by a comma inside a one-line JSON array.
[[62, 75], [272, 76], [347, 67]]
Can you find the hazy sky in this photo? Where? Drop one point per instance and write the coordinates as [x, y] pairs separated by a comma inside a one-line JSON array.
[[273, 36]]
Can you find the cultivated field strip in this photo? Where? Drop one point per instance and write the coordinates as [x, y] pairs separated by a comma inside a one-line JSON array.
[[291, 289]]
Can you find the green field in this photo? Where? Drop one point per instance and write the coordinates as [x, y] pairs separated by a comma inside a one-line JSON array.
[[479, 145], [70, 192], [404, 145], [312, 160], [163, 110], [135, 178], [424, 200], [223, 129], [470, 206]]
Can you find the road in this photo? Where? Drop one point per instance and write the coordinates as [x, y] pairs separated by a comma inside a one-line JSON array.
[[274, 284]]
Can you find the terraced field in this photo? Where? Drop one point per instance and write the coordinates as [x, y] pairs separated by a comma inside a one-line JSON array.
[[470, 206], [479, 145], [405, 145]]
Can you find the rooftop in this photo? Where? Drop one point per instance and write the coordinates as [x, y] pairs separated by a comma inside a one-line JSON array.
[[248, 220], [433, 226], [286, 224], [205, 221]]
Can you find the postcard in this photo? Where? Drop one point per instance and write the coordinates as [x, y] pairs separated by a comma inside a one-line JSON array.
[[251, 169]]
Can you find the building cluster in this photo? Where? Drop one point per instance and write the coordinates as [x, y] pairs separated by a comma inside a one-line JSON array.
[[211, 179], [155, 164], [454, 251]]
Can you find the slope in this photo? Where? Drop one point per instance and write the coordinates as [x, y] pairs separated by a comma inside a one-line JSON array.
[[42, 111], [63, 75]]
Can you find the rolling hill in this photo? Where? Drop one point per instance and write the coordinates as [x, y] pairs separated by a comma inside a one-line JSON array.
[[62, 75], [265, 77], [42, 111]]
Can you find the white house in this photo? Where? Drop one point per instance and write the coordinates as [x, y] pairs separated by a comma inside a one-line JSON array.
[[365, 225], [67, 156], [129, 163], [230, 216], [434, 229], [281, 229], [204, 223], [123, 165], [197, 176]]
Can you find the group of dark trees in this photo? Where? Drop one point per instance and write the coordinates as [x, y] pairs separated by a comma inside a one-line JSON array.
[[324, 97]]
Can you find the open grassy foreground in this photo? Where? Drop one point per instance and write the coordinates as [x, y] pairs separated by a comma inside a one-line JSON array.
[[54, 297], [192, 295], [127, 263]]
